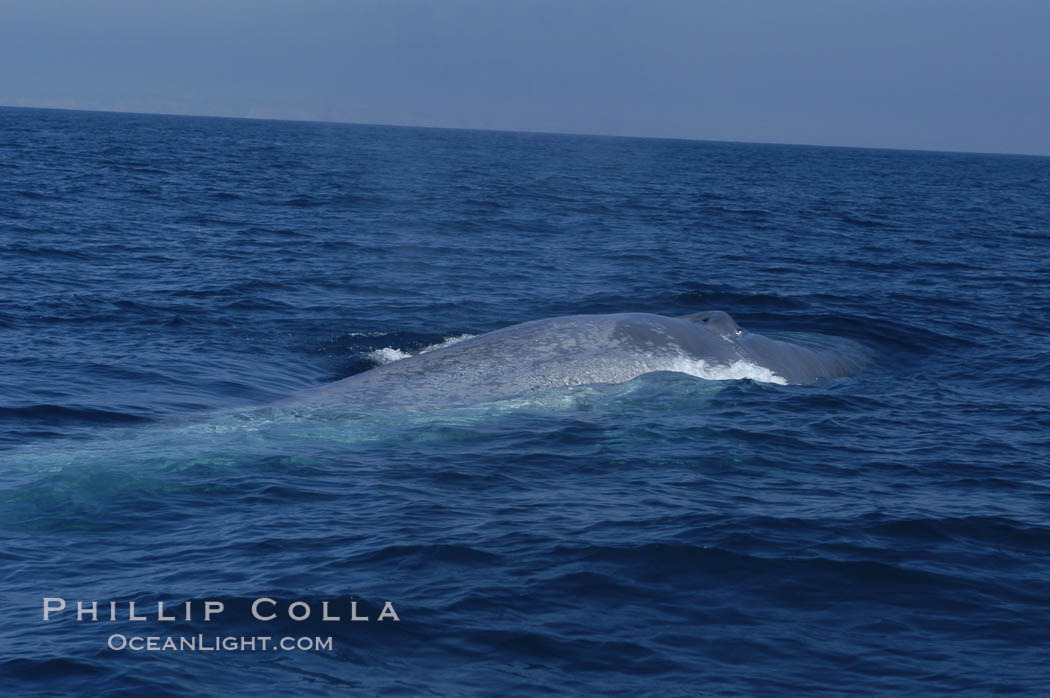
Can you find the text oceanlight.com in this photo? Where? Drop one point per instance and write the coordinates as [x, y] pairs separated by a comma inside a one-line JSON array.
[[215, 643]]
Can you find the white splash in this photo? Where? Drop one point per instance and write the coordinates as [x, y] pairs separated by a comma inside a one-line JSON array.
[[447, 342], [389, 354], [386, 355], [725, 372]]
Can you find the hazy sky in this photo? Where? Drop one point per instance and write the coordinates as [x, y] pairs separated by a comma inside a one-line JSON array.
[[940, 74]]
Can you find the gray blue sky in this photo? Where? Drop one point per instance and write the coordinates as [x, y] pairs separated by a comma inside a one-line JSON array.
[[937, 74]]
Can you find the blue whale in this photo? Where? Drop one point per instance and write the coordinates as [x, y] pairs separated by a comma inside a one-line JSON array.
[[584, 349]]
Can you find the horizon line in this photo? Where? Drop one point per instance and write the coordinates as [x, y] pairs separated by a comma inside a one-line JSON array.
[[523, 131]]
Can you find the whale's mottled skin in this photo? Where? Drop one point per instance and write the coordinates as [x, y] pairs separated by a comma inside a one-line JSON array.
[[578, 350]]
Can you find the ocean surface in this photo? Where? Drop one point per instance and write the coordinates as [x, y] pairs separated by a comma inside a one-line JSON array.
[[172, 288]]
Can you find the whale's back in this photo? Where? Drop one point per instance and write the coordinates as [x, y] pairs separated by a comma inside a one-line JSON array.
[[538, 355], [578, 350]]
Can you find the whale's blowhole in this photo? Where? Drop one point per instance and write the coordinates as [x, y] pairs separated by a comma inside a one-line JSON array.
[[717, 320]]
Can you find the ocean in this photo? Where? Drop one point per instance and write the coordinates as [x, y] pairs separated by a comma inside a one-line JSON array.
[[173, 288]]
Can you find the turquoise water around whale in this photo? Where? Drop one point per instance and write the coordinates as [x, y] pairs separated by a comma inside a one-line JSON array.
[[166, 283]]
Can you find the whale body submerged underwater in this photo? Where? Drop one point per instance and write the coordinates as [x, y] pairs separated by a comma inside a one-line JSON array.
[[584, 349]]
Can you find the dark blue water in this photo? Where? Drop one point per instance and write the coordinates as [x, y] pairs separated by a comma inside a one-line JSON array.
[[164, 279]]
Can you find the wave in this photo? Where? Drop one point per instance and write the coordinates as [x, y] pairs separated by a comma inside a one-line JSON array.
[[58, 414]]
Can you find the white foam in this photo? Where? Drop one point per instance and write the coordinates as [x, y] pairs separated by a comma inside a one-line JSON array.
[[389, 354], [447, 342], [725, 372], [386, 355]]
